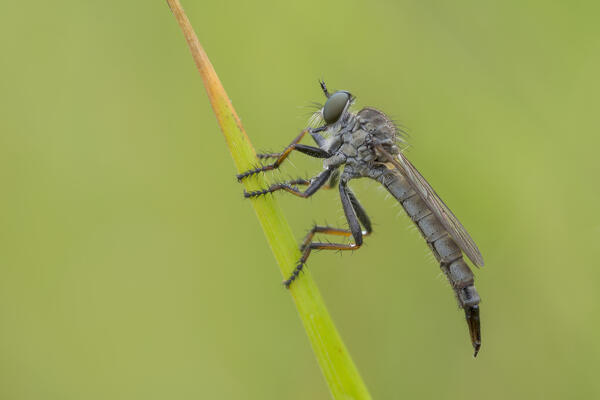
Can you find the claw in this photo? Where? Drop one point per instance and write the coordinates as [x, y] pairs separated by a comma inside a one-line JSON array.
[[472, 315]]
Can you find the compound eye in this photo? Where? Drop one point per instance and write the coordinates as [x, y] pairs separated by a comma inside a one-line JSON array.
[[334, 106]]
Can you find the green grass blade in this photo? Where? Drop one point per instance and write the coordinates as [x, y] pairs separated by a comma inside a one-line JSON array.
[[336, 364]]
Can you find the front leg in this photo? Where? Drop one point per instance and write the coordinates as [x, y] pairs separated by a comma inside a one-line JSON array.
[[315, 184], [312, 151], [280, 157]]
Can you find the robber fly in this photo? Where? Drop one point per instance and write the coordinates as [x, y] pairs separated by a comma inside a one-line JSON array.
[[368, 144]]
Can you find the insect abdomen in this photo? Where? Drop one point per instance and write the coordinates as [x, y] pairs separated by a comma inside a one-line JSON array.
[[443, 247]]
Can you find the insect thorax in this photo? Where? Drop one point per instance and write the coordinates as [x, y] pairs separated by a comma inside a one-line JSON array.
[[355, 137]]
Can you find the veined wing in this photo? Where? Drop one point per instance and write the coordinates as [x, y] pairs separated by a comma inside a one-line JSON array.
[[437, 206]]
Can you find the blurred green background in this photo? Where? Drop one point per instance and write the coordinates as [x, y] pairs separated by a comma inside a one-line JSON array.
[[131, 267]]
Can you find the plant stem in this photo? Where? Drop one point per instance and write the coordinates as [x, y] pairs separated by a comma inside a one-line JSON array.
[[336, 364]]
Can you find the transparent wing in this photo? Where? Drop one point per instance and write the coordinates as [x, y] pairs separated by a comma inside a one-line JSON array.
[[437, 206]]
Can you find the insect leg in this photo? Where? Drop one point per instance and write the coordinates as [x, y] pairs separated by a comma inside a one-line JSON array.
[[360, 212], [333, 181], [314, 185], [335, 175], [328, 230], [311, 151], [302, 148], [349, 202], [319, 139]]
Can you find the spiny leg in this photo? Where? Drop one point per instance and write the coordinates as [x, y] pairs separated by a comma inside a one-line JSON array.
[[333, 179], [314, 185], [309, 150], [328, 230], [302, 148], [317, 246], [355, 215], [360, 211]]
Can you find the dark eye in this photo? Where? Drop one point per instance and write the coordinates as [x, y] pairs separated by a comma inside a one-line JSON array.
[[334, 106]]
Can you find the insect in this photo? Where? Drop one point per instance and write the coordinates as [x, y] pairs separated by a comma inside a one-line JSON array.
[[368, 144]]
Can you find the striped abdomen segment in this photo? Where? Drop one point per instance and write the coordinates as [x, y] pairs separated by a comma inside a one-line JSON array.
[[444, 248]]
